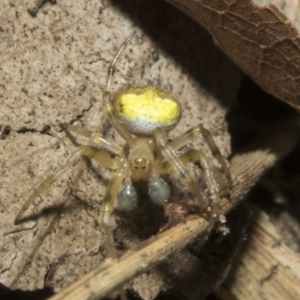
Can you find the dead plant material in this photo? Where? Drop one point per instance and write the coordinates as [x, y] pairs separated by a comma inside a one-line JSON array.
[[265, 267], [262, 41]]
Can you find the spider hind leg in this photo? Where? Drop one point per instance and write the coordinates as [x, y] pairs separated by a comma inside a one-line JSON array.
[[97, 154], [108, 202], [195, 132], [211, 173]]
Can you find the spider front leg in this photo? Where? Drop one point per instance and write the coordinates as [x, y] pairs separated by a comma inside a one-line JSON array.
[[108, 203], [97, 154], [93, 136], [108, 107]]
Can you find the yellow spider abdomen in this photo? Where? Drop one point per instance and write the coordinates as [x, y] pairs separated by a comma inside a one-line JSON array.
[[142, 110]]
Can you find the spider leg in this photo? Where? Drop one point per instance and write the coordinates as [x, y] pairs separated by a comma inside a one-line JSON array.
[[93, 136], [177, 165], [210, 173], [112, 67], [108, 203], [97, 154], [108, 107], [193, 133]]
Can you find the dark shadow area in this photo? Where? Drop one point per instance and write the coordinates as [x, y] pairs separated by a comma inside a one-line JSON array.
[[255, 113], [39, 3], [51, 210], [196, 271], [43, 294], [8, 294], [145, 220], [54, 209]]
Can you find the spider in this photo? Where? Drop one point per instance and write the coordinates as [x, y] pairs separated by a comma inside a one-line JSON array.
[[143, 116]]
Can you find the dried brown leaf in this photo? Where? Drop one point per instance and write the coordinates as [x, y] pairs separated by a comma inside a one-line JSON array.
[[261, 40]]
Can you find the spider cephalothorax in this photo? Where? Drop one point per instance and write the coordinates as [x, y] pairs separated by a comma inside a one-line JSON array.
[[141, 157], [143, 117]]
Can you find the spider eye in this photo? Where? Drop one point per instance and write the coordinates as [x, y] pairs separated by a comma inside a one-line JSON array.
[[140, 163]]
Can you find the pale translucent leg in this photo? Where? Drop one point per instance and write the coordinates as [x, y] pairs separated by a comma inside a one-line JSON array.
[[176, 164], [99, 155], [209, 173], [108, 107], [195, 132], [108, 203], [95, 137], [112, 67]]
